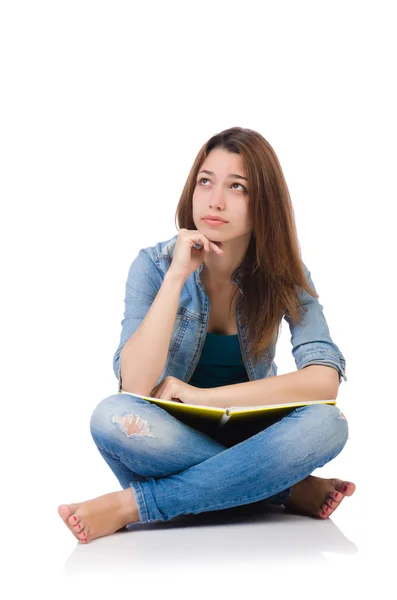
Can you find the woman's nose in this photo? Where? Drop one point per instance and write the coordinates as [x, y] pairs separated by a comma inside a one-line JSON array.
[[217, 195]]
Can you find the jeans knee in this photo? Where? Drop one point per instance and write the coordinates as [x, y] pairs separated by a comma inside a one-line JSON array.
[[119, 413], [102, 409], [337, 425], [330, 424]]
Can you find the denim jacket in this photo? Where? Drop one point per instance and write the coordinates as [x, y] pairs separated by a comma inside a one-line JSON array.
[[311, 340]]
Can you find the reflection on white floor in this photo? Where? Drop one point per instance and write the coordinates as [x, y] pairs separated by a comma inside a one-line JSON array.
[[253, 533]]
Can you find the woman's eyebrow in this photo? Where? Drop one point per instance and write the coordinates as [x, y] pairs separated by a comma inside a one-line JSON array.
[[230, 174]]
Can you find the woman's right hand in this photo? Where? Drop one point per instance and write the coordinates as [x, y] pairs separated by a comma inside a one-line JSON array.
[[186, 257]]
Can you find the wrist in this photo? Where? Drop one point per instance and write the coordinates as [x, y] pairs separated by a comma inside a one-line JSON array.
[[175, 278], [207, 395]]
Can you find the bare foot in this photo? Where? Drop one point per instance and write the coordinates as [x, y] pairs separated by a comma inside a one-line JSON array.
[[101, 516], [318, 497]]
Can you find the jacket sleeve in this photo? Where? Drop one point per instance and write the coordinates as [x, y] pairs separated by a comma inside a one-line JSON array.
[[143, 282], [311, 340]]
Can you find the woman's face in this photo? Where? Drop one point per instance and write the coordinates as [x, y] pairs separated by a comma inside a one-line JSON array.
[[221, 192]]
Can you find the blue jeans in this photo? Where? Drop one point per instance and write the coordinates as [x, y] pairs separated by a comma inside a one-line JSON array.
[[175, 469]]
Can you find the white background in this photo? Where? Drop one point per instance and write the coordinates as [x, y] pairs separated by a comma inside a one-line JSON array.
[[104, 106]]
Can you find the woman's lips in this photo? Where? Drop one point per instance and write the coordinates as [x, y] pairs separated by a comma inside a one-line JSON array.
[[213, 222]]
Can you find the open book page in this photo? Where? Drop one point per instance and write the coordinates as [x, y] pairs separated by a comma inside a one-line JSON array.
[[285, 405], [209, 417], [177, 403]]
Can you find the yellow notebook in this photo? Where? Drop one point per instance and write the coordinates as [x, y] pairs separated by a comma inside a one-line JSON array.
[[193, 414]]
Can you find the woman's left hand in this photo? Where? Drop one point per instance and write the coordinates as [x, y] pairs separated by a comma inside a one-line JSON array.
[[174, 389]]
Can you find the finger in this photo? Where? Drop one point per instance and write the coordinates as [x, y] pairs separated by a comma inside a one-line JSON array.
[[166, 394], [159, 393], [215, 247], [198, 239], [202, 241]]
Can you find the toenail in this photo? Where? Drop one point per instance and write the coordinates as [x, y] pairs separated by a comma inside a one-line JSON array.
[[323, 513], [337, 495], [75, 519], [345, 488]]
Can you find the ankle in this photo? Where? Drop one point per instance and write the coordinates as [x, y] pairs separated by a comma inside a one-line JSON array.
[[129, 505]]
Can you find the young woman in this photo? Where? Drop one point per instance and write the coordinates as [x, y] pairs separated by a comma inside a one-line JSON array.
[[201, 322]]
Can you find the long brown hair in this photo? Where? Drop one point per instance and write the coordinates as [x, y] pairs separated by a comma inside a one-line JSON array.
[[272, 273]]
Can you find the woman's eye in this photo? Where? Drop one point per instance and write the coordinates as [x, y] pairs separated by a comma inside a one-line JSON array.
[[239, 185], [206, 179]]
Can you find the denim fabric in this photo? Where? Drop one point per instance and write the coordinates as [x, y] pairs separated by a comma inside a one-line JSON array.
[[311, 340], [175, 469]]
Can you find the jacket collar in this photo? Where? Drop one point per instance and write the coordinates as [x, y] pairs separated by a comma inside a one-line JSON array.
[[236, 277]]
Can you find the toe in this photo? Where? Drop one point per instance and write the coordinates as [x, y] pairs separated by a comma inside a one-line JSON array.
[[336, 497], [74, 519], [349, 488], [82, 536], [346, 488], [65, 510], [331, 503], [327, 509]]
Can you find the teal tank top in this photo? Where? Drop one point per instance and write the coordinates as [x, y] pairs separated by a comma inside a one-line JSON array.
[[220, 362]]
